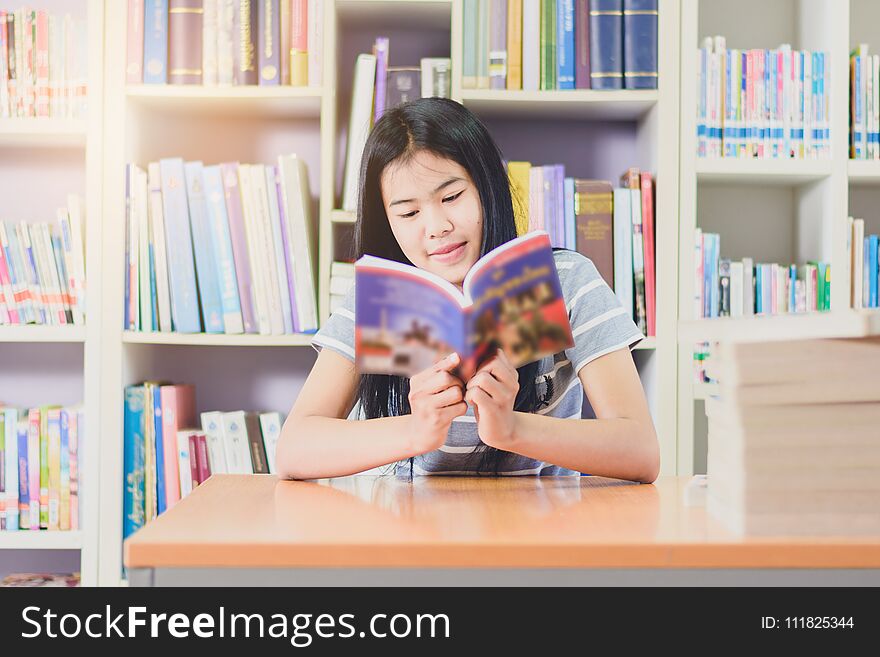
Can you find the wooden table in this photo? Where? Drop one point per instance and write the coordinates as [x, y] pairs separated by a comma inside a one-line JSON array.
[[365, 530]]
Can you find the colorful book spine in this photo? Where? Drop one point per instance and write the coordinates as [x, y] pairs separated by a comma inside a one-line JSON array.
[[498, 11], [204, 468], [157, 426], [514, 44], [277, 255], [582, 44], [183, 463], [53, 439], [531, 48], [223, 259], [24, 474], [9, 417], [570, 217], [185, 41], [178, 412], [269, 41], [244, 31], [77, 432], [193, 447], [206, 272], [548, 45], [3, 483], [64, 503], [235, 214], [483, 44], [606, 44], [287, 244], [647, 194], [469, 44], [565, 44], [41, 426], [299, 43], [134, 63], [155, 42]]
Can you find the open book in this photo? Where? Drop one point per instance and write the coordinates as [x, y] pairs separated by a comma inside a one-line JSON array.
[[408, 318]]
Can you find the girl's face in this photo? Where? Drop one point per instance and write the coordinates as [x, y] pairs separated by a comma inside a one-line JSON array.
[[435, 214]]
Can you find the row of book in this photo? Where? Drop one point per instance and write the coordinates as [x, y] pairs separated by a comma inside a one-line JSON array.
[[225, 42], [226, 248], [43, 65], [730, 288], [37, 580], [560, 44], [39, 467], [168, 450], [377, 87], [42, 269], [791, 452], [613, 227], [762, 103], [864, 259], [864, 98]]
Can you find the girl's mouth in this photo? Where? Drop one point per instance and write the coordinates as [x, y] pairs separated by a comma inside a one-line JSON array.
[[448, 254]]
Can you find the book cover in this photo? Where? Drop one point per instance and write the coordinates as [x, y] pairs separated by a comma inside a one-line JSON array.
[[519, 173], [193, 447], [359, 126], [178, 411], [154, 398], [582, 44], [255, 441], [639, 260], [380, 50], [240, 256], [238, 455], [212, 425], [202, 242], [570, 217], [498, 44], [223, 258], [565, 47], [404, 83], [299, 43], [606, 44], [179, 246], [244, 33], [270, 427], [511, 299], [134, 445], [150, 469], [226, 41], [134, 61], [268, 43], [623, 283], [593, 208], [640, 20], [514, 44], [76, 213], [155, 42], [140, 202]]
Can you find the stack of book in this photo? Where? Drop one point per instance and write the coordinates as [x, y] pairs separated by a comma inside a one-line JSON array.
[[225, 42], [378, 86], [39, 467], [612, 227], [790, 452], [864, 99], [762, 103], [43, 65], [169, 450], [560, 44], [234, 241], [42, 270], [864, 258], [729, 288]]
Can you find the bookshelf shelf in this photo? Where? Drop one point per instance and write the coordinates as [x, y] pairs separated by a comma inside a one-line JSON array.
[[343, 217], [42, 133], [217, 340], [625, 105], [32, 333], [41, 540], [246, 101], [832, 324], [762, 172], [863, 172], [703, 391]]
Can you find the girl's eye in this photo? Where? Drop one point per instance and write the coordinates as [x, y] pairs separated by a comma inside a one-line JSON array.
[[409, 215], [453, 197]]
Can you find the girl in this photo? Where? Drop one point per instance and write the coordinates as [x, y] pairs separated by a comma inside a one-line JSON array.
[[434, 193]]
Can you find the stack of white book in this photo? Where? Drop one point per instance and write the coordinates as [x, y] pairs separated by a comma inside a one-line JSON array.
[[794, 437]]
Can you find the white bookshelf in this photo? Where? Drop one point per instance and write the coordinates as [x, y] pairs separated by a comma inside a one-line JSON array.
[[216, 340], [624, 105], [41, 161]]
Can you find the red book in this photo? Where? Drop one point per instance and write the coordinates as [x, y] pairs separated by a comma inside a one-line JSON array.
[[648, 240], [178, 412], [204, 467], [194, 459]]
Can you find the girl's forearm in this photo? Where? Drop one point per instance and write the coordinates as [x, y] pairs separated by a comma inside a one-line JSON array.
[[620, 448], [312, 447]]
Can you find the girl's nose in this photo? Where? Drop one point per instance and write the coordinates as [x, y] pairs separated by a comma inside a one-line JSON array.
[[437, 223]]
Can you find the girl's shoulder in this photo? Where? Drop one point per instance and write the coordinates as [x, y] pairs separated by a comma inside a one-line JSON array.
[[575, 270]]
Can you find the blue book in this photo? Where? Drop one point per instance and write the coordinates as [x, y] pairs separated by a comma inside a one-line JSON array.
[[872, 271], [279, 260], [154, 300], [570, 223], [269, 42], [640, 19], [792, 292], [565, 44], [32, 273], [866, 273], [759, 289], [155, 41], [223, 254], [206, 271], [161, 496], [134, 445], [16, 275], [606, 44], [826, 131], [179, 248]]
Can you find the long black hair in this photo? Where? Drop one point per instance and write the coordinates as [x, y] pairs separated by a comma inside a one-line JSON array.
[[448, 130]]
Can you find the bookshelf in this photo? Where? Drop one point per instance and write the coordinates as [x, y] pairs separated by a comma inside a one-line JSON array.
[[41, 161]]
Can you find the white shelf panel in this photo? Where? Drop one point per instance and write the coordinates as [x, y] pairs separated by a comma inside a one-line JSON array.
[[35, 333], [41, 540], [245, 101], [864, 172], [761, 172], [705, 390], [760, 328], [623, 105], [43, 133], [343, 217], [647, 343], [218, 340]]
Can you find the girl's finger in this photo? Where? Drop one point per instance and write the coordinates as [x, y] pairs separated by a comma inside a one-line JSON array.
[[447, 397], [478, 396], [448, 363], [494, 388], [502, 371], [439, 381]]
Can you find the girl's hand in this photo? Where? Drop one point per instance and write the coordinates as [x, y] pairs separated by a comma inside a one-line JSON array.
[[435, 399], [492, 391]]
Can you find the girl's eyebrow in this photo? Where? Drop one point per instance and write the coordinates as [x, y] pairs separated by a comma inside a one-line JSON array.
[[442, 185]]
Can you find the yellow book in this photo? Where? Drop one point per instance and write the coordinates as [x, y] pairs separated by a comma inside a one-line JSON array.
[[519, 173], [299, 68], [53, 431], [514, 43], [44, 467]]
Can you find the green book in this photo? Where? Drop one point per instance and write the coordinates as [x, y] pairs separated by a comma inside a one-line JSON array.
[[44, 467], [548, 45]]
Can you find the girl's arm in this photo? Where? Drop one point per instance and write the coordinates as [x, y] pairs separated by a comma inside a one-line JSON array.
[[318, 441], [620, 443]]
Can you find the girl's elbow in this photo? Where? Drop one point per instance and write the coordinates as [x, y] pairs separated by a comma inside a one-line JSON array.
[[652, 457]]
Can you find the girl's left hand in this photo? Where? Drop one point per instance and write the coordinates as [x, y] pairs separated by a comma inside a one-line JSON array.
[[492, 391]]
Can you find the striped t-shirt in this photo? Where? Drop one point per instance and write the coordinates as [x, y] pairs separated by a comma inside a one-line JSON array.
[[600, 325]]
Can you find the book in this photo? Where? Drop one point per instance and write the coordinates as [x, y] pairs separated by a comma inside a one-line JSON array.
[[178, 410], [299, 43], [9, 419], [240, 254], [244, 33], [593, 209], [236, 444], [436, 75], [380, 50], [514, 45], [204, 468], [511, 299], [185, 41], [210, 22], [134, 63], [155, 41], [531, 45], [359, 126], [268, 42], [647, 200], [498, 44], [134, 509], [582, 44], [224, 260], [606, 44], [253, 232], [226, 42], [482, 48], [203, 248], [212, 425], [640, 22], [255, 442], [548, 45], [270, 427], [278, 242], [565, 44], [469, 44], [316, 42], [184, 462]]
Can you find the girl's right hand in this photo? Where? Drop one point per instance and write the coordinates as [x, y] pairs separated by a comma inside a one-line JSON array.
[[436, 397]]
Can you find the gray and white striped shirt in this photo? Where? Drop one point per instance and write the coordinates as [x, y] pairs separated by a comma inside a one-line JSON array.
[[599, 324]]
